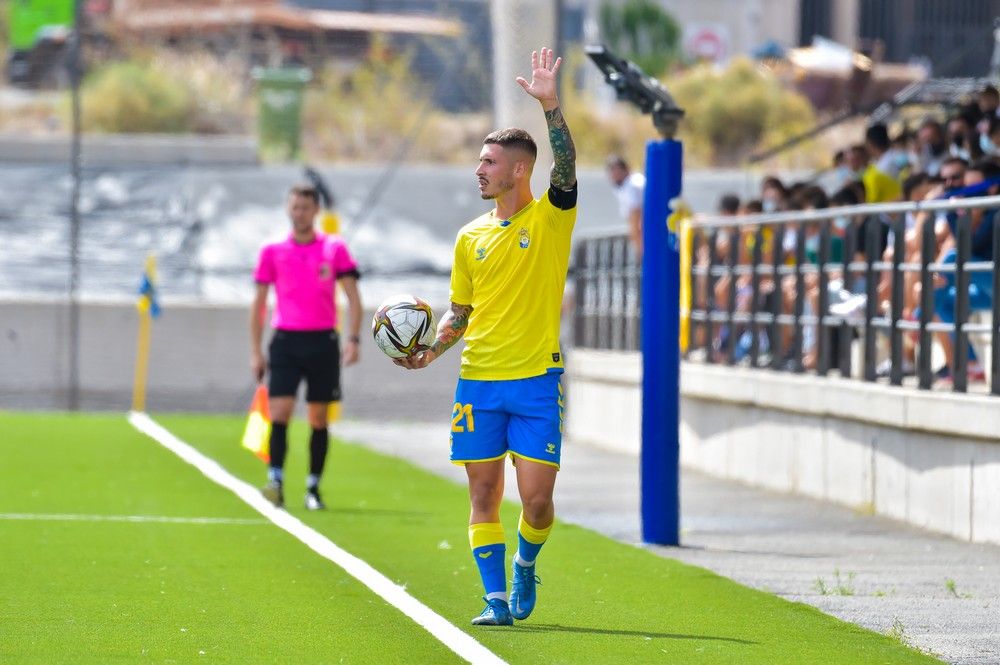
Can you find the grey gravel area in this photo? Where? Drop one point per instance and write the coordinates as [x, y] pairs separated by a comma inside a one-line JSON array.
[[939, 594]]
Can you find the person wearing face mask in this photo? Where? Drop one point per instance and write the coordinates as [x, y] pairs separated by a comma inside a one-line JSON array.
[[989, 140], [773, 195], [840, 175], [959, 133], [887, 159], [980, 283], [932, 147], [988, 101]]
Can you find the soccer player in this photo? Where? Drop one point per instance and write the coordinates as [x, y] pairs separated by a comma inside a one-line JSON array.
[[507, 283], [303, 269]]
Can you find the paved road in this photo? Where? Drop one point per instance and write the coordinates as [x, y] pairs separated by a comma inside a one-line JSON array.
[[942, 594]]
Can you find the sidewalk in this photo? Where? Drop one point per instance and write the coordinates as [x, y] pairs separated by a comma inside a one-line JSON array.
[[939, 594]]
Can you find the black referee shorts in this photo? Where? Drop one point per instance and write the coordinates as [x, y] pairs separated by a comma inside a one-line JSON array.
[[313, 355]]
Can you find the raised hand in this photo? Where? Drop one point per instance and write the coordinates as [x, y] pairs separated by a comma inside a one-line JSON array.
[[544, 67]]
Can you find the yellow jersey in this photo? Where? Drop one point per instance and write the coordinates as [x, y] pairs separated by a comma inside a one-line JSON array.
[[880, 187], [513, 274]]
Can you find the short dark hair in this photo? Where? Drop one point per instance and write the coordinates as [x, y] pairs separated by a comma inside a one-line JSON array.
[[845, 196], [616, 161], [987, 166], [878, 136], [912, 182], [512, 137], [774, 182], [954, 160], [989, 91], [813, 197], [307, 190], [729, 204]]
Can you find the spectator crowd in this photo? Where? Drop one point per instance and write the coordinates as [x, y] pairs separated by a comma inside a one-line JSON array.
[[957, 158]]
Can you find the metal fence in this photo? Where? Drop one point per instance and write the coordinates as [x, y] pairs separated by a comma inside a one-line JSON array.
[[769, 327], [606, 315], [785, 316]]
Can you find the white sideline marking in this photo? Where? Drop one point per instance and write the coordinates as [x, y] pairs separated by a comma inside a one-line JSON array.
[[453, 638], [162, 519]]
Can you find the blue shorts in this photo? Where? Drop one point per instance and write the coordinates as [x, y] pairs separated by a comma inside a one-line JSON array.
[[522, 418]]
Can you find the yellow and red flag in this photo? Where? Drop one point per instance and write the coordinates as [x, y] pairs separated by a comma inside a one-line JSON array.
[[258, 430]]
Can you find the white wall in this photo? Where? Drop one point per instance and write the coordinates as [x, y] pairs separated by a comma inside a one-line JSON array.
[[929, 459]]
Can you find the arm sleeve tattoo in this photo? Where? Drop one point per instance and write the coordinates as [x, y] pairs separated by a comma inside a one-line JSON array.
[[452, 328], [563, 150]]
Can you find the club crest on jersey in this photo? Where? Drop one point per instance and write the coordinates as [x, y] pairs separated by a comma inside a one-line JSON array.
[[480, 253], [324, 271], [524, 238]]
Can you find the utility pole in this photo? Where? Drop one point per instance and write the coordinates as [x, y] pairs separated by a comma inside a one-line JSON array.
[[75, 74]]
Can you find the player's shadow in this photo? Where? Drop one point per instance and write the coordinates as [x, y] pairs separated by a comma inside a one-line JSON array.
[[557, 628]]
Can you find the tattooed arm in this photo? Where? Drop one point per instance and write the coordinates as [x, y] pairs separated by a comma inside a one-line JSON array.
[[544, 67], [563, 150], [451, 329]]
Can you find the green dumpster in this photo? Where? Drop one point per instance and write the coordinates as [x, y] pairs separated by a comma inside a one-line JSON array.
[[279, 111]]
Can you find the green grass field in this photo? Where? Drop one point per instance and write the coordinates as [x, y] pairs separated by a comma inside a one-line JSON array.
[[238, 589]]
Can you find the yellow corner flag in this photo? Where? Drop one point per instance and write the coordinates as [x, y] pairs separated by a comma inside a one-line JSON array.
[[149, 308], [256, 436], [679, 222]]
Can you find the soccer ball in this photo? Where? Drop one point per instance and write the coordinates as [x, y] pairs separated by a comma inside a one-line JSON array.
[[403, 325]]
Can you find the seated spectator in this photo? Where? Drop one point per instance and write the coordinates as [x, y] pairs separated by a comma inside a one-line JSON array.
[[963, 140], [915, 188], [988, 101], [891, 161], [729, 206], [773, 194], [981, 249], [880, 187], [989, 140], [932, 146]]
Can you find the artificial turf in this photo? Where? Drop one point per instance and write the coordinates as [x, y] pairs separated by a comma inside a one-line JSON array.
[[96, 592]]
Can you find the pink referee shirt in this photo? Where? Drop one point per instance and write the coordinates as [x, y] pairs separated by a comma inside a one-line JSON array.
[[303, 278]]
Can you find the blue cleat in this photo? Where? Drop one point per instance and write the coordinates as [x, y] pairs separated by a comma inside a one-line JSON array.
[[496, 613], [522, 590]]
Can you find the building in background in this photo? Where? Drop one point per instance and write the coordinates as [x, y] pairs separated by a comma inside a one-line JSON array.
[[953, 38]]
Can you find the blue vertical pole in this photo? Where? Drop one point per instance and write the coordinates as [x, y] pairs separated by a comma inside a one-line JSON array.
[[660, 347]]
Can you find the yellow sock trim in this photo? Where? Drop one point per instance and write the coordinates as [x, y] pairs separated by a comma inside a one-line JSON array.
[[333, 412], [531, 534], [485, 533]]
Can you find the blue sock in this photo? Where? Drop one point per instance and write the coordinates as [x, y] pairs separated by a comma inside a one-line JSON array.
[[489, 551], [529, 541]]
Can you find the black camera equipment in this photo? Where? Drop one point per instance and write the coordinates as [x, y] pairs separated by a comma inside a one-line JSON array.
[[632, 85]]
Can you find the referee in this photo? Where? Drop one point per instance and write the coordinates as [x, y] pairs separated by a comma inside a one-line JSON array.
[[304, 268]]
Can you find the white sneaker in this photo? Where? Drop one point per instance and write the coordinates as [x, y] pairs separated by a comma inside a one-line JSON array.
[[850, 308], [313, 501]]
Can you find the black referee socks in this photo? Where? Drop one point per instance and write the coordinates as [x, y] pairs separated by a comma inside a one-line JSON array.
[[319, 443]]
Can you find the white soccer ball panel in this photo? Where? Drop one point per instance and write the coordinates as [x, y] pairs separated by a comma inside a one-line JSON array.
[[403, 325]]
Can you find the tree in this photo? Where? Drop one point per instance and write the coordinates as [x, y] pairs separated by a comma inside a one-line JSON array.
[[641, 31]]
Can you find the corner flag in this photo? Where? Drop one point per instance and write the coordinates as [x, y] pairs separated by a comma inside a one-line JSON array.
[[256, 435], [147, 290], [149, 308]]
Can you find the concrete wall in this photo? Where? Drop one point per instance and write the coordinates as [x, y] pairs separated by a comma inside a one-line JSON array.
[[929, 459], [199, 361]]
